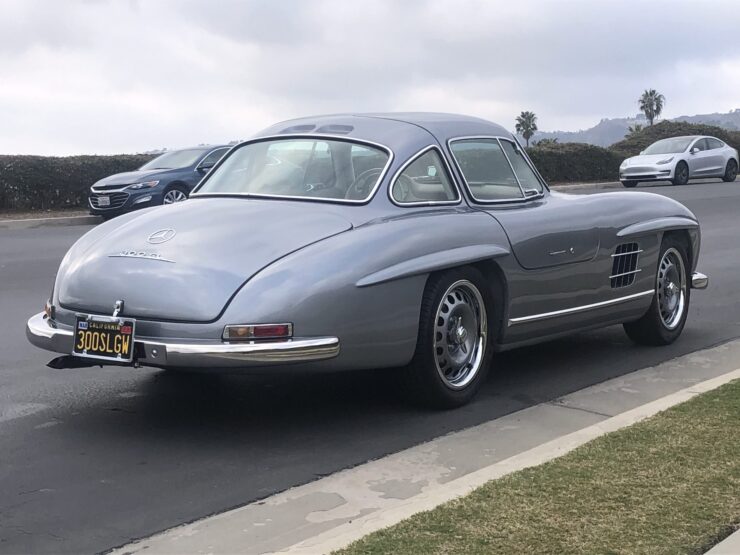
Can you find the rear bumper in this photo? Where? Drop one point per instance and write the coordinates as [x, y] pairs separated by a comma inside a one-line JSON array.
[[45, 334]]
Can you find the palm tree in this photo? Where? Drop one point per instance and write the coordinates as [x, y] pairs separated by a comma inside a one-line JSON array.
[[526, 125], [636, 128], [651, 104]]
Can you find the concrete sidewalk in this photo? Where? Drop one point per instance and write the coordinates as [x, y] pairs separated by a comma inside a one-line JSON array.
[[333, 511], [729, 546]]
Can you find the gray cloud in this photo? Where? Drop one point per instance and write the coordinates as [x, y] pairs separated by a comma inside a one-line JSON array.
[[112, 76]]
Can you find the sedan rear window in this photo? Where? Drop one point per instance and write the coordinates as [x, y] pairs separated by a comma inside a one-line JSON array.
[[317, 168]]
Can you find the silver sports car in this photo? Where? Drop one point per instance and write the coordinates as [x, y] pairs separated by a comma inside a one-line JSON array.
[[420, 242], [679, 159]]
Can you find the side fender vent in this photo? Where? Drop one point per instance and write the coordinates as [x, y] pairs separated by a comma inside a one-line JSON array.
[[624, 265]]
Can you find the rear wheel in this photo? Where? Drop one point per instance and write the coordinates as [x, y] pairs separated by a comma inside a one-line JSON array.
[[453, 348], [730, 171], [681, 174], [665, 319], [175, 193], [629, 184]]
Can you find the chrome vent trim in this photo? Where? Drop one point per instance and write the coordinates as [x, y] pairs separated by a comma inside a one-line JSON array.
[[624, 265]]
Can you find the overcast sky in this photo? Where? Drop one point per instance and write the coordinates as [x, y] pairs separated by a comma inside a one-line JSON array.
[[110, 76]]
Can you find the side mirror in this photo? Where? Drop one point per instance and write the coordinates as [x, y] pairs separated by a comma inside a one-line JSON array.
[[642, 152], [205, 168], [694, 150]]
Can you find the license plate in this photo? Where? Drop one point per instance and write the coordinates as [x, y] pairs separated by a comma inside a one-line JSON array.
[[104, 338], [103, 201]]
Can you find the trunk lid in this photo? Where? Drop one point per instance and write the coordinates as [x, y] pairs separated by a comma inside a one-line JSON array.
[[185, 261]]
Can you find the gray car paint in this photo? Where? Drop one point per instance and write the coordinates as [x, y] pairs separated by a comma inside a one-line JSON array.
[[358, 271]]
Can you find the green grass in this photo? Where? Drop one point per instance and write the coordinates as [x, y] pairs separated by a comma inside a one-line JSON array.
[[670, 484]]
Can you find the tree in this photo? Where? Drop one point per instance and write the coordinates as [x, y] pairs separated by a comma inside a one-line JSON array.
[[526, 125], [632, 129], [547, 142], [651, 104]]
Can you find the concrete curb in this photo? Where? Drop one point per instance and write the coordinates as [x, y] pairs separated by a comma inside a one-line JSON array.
[[31, 223], [344, 535], [729, 546]]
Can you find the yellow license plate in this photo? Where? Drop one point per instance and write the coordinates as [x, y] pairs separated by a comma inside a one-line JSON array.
[[104, 338]]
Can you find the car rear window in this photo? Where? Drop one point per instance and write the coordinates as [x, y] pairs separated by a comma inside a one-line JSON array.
[[314, 168]]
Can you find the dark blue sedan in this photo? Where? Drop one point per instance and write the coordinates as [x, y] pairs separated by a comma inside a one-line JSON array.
[[167, 179]]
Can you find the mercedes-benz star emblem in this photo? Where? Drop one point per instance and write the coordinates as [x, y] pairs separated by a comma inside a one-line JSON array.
[[161, 236]]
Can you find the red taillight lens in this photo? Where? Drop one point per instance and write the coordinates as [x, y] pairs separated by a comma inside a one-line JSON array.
[[277, 330], [258, 331]]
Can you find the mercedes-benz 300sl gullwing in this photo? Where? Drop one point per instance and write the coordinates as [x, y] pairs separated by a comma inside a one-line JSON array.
[[419, 242]]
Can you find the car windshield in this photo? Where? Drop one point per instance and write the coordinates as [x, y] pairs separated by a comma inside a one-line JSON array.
[[174, 159], [669, 146], [324, 169]]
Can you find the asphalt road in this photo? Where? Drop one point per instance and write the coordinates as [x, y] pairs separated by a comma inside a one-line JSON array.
[[92, 458]]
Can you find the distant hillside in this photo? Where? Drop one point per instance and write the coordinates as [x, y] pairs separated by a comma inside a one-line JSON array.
[[609, 131]]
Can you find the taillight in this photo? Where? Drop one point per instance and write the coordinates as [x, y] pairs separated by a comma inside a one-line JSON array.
[[248, 332]]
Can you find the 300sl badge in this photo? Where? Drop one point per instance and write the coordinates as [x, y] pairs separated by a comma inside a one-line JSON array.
[[141, 254]]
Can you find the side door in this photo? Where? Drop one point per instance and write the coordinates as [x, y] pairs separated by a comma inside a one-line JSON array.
[[699, 158], [540, 227], [555, 238], [715, 156]]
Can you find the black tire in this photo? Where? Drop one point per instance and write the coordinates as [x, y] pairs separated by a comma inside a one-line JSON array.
[[175, 191], [630, 184], [425, 382], [652, 328], [730, 171], [681, 174]]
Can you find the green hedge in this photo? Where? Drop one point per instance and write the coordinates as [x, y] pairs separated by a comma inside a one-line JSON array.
[[561, 162], [50, 182]]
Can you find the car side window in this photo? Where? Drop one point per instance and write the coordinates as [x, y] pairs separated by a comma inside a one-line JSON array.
[[524, 172], [212, 158], [486, 170], [701, 144], [425, 180], [714, 143]]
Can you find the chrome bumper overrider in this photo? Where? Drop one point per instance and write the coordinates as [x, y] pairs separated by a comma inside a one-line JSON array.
[[699, 281], [157, 352]]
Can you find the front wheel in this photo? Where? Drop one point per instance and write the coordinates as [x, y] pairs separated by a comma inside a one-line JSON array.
[[665, 319], [681, 174], [453, 348], [629, 184], [730, 171], [176, 193]]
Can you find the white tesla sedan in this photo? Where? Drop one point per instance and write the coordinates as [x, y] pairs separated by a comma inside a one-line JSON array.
[[679, 159]]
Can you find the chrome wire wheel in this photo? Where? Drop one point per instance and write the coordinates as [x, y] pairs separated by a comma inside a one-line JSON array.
[[671, 288], [174, 195], [460, 334]]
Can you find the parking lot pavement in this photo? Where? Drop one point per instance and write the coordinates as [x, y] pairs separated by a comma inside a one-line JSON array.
[[93, 458]]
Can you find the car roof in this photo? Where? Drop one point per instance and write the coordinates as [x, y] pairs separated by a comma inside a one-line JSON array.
[[396, 130]]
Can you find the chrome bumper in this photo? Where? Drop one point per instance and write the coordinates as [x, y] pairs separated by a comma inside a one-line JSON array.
[[158, 352], [699, 281]]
